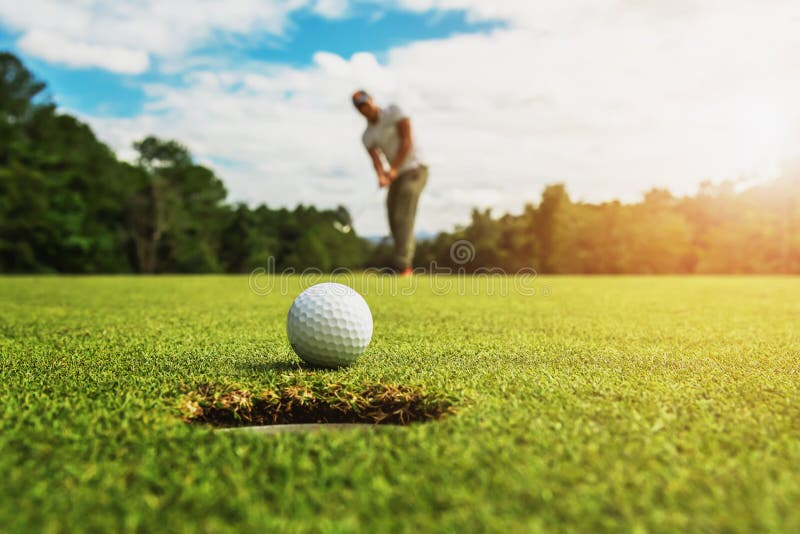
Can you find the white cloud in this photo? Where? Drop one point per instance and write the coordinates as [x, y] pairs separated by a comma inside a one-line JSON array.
[[56, 48], [77, 32], [611, 97], [332, 9]]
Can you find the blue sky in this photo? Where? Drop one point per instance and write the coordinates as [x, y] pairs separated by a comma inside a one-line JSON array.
[[96, 91], [611, 98]]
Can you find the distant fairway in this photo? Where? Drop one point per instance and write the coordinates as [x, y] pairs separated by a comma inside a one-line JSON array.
[[664, 403]]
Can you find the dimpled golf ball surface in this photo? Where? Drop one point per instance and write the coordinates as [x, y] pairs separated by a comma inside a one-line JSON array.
[[329, 325]]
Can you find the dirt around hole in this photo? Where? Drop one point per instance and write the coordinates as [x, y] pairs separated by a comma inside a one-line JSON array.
[[296, 402]]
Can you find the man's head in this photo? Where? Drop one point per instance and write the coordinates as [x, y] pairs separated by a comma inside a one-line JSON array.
[[365, 105]]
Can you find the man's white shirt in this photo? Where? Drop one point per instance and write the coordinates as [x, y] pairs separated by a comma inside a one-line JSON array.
[[383, 136]]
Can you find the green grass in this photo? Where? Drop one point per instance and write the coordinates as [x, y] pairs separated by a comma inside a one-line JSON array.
[[629, 403]]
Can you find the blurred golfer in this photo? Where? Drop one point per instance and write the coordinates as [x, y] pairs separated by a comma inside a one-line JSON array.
[[388, 136]]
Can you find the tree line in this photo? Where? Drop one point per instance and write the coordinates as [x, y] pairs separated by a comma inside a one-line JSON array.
[[720, 230], [69, 205]]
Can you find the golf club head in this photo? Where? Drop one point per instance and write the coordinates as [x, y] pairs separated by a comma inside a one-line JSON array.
[[343, 228], [344, 219], [343, 216]]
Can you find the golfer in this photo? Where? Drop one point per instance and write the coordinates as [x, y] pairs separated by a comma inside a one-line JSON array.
[[388, 136]]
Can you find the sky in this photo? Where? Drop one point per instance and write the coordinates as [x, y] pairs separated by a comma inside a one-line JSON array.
[[610, 97]]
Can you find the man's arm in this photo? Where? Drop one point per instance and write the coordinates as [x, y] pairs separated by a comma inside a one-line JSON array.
[[404, 131], [383, 180]]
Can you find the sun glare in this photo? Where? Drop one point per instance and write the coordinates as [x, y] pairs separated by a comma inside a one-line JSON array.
[[757, 140]]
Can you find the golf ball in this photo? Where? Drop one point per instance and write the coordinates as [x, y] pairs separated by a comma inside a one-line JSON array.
[[329, 325]]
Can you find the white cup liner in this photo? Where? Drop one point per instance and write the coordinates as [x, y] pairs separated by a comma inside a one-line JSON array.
[[298, 428]]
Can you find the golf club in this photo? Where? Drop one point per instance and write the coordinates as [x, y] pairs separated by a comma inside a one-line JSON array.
[[345, 218]]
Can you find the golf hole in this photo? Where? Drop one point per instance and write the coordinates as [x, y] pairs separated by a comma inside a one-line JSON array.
[[300, 428], [312, 406]]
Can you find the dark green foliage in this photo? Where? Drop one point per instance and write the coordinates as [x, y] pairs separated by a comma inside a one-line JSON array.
[[181, 211], [62, 192], [299, 239], [19, 89], [23, 211], [67, 204], [243, 246]]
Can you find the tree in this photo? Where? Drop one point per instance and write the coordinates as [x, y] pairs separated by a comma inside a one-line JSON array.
[[178, 213], [63, 200], [548, 222], [19, 89], [23, 210]]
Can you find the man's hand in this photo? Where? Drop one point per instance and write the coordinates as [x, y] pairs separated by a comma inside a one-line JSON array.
[[385, 178]]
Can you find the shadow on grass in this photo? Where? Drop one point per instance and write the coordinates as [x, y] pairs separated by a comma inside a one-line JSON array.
[[271, 367]]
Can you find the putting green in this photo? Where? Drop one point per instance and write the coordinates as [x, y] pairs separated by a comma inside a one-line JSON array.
[[635, 403]]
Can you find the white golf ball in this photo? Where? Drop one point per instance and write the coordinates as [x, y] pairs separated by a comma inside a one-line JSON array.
[[329, 325]]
